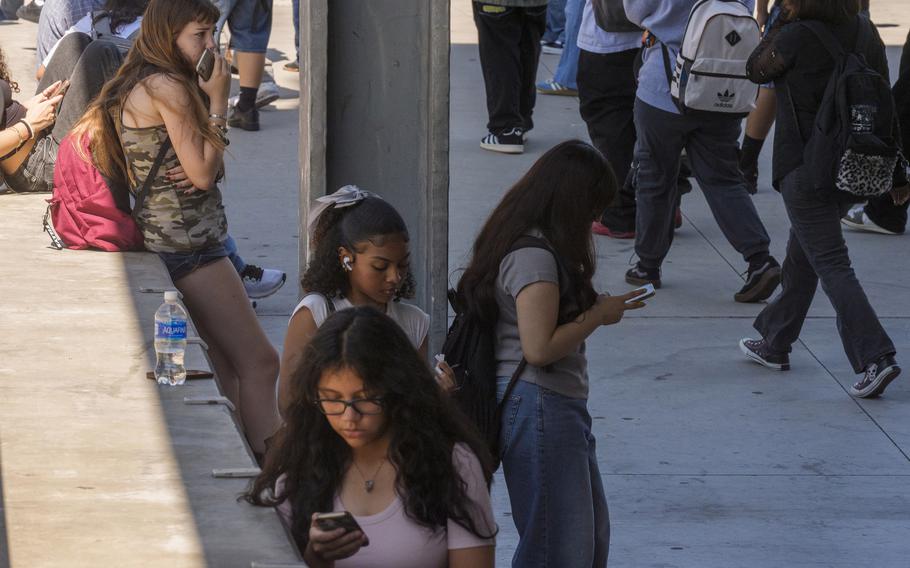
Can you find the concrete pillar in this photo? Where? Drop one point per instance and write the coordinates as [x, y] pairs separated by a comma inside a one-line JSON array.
[[374, 112]]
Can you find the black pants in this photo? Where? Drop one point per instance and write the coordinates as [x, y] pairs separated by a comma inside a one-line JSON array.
[[606, 95], [817, 252], [509, 42]]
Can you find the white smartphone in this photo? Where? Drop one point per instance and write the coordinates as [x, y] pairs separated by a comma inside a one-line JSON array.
[[646, 292]]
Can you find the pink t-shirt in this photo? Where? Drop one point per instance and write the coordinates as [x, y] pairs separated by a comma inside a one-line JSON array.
[[396, 540]]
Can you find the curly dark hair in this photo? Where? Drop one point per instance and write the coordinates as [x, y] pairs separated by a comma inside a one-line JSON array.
[[124, 11], [423, 423], [4, 73], [371, 220]]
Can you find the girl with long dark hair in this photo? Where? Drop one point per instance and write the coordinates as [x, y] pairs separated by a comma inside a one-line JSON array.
[[157, 103], [794, 56], [368, 431], [542, 305]]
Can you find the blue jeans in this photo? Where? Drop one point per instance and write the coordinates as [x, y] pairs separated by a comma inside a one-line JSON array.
[[230, 247], [556, 22], [550, 466], [567, 70], [180, 264], [295, 7], [250, 22]]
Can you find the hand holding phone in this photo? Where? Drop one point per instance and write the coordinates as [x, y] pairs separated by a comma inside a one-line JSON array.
[[333, 536], [214, 75], [645, 292], [206, 64]]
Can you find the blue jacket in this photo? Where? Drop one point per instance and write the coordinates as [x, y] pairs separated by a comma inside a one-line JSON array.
[[666, 19]]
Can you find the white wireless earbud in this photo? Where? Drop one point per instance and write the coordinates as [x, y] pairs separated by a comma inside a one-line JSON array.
[[347, 263]]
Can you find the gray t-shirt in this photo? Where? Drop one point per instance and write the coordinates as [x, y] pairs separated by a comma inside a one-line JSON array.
[[569, 375]]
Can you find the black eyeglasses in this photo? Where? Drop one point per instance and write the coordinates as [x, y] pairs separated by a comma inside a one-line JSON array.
[[363, 406]]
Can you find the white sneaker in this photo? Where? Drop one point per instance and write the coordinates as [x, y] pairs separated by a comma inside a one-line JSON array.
[[267, 94], [857, 220], [261, 282]]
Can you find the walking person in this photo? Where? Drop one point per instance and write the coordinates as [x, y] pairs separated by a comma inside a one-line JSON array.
[[711, 144], [367, 432], [157, 105], [508, 37], [794, 57], [564, 81], [542, 305]]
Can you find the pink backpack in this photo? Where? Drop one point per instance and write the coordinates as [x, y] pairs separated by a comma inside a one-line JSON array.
[[83, 212]]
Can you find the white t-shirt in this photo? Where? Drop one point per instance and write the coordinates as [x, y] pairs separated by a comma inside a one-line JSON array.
[[84, 25], [414, 321]]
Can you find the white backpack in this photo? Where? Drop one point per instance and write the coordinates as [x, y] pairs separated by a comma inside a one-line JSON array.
[[710, 71]]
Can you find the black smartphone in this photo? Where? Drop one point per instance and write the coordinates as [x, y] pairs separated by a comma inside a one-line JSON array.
[[338, 520], [206, 64]]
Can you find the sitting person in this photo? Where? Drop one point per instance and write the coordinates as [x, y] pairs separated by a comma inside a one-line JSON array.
[[157, 105], [368, 432], [361, 257]]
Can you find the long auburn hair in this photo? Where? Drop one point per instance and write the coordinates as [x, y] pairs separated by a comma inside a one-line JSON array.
[[4, 73], [423, 424], [373, 219], [563, 192], [154, 51]]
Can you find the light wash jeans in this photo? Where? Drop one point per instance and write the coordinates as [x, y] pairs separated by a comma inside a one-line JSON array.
[[567, 70], [550, 466]]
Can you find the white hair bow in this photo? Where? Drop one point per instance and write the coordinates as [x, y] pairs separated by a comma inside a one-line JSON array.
[[345, 197]]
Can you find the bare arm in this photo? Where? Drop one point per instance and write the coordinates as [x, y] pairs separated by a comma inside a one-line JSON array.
[[477, 557], [542, 342], [301, 330], [761, 12]]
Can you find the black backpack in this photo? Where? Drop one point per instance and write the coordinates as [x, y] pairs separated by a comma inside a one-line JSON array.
[[470, 349], [610, 16], [852, 146]]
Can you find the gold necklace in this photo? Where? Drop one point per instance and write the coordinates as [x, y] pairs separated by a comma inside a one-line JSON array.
[[369, 483]]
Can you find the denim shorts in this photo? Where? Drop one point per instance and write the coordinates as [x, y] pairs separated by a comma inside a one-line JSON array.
[[180, 264], [250, 22]]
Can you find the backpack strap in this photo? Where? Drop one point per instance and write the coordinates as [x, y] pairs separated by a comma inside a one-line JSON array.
[[827, 39], [153, 173], [330, 304], [101, 24]]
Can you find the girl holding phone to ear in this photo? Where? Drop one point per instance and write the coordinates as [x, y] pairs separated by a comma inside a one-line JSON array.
[[368, 432], [361, 257], [156, 107]]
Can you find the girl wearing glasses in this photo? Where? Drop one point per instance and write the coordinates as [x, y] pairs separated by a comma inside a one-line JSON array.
[[368, 432], [360, 257]]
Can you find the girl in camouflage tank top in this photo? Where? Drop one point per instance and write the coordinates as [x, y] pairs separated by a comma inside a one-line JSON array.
[[157, 96]]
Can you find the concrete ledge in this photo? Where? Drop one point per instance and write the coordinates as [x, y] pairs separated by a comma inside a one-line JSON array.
[[97, 460]]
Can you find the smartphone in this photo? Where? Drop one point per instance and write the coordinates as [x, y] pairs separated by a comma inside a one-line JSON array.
[[338, 520], [646, 292], [206, 64]]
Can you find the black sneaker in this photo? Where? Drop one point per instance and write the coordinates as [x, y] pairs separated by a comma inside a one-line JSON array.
[[638, 275], [761, 281], [30, 12], [760, 352], [877, 377], [508, 142], [245, 119]]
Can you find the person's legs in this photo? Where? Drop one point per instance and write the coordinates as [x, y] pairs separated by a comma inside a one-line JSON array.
[[499, 36], [712, 151], [98, 64], [556, 22], [567, 70], [230, 245], [817, 226], [606, 95], [218, 304], [295, 8], [532, 27], [883, 212], [251, 25], [661, 138], [555, 490], [62, 65]]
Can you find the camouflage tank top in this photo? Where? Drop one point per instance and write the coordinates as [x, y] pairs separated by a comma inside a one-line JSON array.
[[170, 220]]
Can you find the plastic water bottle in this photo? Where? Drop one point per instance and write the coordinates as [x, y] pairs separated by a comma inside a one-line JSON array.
[[170, 341]]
